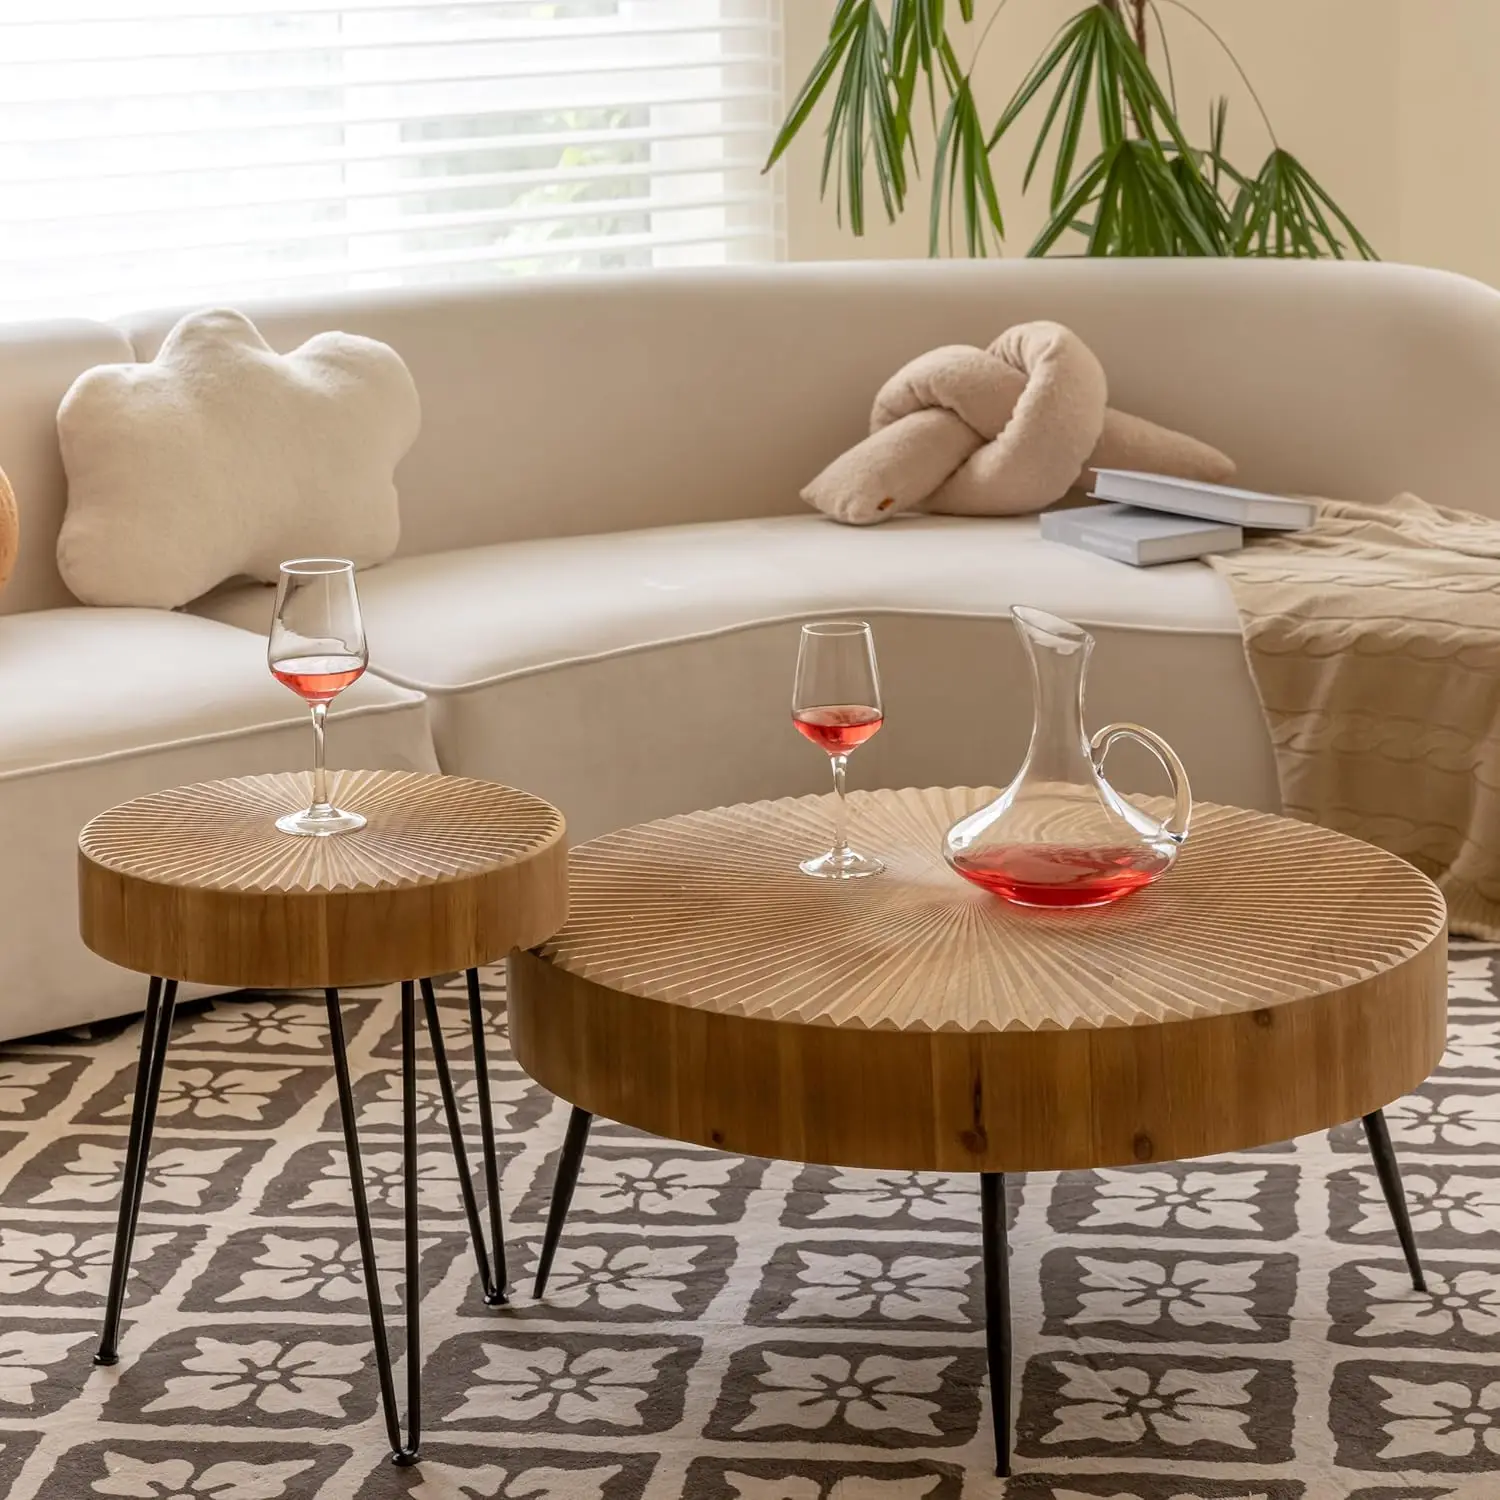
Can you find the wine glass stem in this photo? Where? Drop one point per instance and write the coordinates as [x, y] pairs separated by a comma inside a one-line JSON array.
[[840, 764], [320, 802]]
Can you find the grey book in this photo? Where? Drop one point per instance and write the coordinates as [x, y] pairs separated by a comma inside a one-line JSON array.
[[1142, 538], [1210, 502]]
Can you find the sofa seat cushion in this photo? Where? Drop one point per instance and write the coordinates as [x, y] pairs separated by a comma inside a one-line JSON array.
[[452, 621], [102, 705], [82, 685], [632, 675]]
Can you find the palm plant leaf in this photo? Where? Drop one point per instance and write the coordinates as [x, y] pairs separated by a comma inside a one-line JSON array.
[[867, 125], [1075, 82], [1114, 47], [886, 139], [1073, 50], [1096, 63], [1070, 211], [1149, 106], [1204, 202], [964, 151], [1148, 191], [1142, 203], [1284, 211], [840, 34], [1063, 45], [1219, 164], [1064, 91], [917, 34]]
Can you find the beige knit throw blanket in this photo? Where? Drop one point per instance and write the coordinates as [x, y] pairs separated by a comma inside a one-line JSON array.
[[1374, 642]]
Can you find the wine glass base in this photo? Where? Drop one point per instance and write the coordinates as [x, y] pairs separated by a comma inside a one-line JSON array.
[[841, 864], [320, 823]]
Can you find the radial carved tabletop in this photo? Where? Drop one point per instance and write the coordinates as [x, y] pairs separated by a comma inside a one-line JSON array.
[[197, 883], [1280, 979]]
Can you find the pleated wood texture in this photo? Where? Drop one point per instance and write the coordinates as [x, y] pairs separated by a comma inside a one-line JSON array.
[[197, 883], [1280, 979]]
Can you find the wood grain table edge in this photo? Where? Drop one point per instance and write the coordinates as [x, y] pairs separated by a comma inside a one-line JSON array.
[[316, 939], [1012, 1101]]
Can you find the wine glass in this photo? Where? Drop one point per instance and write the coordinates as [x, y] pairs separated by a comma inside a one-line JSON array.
[[317, 648], [836, 705]]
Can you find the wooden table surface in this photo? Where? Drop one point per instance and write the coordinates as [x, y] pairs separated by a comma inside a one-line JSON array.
[[1280, 979], [197, 883]]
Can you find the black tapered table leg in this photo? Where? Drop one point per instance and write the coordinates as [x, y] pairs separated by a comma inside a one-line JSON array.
[[997, 1310], [403, 1452], [156, 1031], [456, 1138], [1389, 1172], [574, 1143], [409, 1211], [496, 1293]]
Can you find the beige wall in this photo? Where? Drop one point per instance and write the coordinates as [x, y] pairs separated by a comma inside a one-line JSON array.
[[1450, 123], [1330, 72]]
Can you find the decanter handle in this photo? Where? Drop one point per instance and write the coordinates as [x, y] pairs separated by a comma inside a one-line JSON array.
[[1176, 826]]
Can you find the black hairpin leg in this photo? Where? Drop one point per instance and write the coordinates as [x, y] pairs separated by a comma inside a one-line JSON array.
[[402, 1453], [495, 1293], [562, 1191], [997, 1311], [493, 1288], [1389, 1172], [156, 1031]]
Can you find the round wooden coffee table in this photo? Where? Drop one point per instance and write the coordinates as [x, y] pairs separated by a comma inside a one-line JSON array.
[[197, 884], [1280, 980]]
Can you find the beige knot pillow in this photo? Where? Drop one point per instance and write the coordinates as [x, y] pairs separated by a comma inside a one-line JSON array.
[[221, 458], [963, 431]]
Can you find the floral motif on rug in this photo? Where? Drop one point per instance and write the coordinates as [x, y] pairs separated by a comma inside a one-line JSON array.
[[719, 1328]]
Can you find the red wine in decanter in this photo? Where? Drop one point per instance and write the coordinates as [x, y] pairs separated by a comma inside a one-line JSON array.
[[1058, 875], [838, 727], [317, 679]]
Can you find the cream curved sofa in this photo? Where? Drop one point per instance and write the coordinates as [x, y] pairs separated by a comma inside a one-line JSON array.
[[605, 558]]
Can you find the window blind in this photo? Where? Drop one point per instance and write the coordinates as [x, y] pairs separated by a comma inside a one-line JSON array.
[[173, 151]]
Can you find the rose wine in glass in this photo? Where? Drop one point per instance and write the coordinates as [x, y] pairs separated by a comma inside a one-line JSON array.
[[317, 679], [836, 705], [317, 648], [841, 727]]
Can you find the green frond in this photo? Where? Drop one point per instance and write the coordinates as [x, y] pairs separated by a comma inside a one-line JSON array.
[[1284, 211], [963, 161], [1150, 190], [1138, 201]]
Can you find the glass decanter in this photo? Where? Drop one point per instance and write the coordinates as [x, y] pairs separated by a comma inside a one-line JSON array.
[[1059, 835]]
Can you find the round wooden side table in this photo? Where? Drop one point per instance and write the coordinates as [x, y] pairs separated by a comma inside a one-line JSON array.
[[1282, 979], [197, 885]]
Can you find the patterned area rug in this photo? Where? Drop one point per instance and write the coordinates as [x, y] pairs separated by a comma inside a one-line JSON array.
[[725, 1329]]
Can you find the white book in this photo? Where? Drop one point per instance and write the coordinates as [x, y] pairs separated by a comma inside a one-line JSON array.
[[1212, 502], [1142, 538]]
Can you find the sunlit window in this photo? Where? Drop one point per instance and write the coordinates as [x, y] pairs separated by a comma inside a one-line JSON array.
[[170, 151]]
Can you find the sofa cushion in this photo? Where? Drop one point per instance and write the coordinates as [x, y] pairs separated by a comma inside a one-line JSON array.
[[106, 704], [633, 675], [452, 621], [93, 684]]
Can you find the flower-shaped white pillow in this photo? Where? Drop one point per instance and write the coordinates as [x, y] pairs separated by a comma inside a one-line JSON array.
[[221, 458]]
